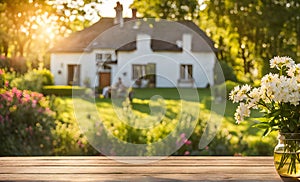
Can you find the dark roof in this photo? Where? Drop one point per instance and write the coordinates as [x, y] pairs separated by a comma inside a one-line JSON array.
[[106, 35], [156, 45]]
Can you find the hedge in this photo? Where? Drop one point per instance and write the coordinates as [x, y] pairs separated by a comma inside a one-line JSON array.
[[62, 90]]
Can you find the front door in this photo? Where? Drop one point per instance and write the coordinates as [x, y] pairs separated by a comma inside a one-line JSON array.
[[104, 79]]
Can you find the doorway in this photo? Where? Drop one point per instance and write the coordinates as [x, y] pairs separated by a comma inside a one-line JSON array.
[[104, 79]]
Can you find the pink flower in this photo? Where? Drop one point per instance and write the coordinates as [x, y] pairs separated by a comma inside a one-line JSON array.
[[14, 90], [6, 83], [33, 103], [80, 144], [182, 135], [186, 153], [188, 142]]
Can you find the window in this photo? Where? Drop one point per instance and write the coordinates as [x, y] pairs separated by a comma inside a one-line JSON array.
[[102, 57], [186, 72], [144, 74], [138, 71], [144, 71]]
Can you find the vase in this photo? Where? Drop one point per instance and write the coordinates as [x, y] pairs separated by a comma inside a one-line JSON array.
[[287, 155]]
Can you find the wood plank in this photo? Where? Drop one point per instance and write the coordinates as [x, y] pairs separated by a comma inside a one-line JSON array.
[[136, 170], [168, 162], [141, 177], [99, 168]]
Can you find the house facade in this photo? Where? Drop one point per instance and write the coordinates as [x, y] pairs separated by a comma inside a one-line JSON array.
[[142, 52]]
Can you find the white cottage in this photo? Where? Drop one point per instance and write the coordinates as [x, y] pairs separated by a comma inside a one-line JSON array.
[[142, 52]]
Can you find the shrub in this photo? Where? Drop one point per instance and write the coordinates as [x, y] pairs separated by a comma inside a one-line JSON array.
[[61, 90], [225, 88], [46, 75], [4, 62], [230, 85], [33, 80], [228, 71], [25, 123], [68, 139], [207, 102], [2, 78]]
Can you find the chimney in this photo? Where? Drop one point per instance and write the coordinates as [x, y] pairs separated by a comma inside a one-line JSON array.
[[119, 14], [187, 42], [143, 42], [134, 11]]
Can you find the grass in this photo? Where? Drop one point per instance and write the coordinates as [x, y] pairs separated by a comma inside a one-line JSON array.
[[157, 109], [166, 93]]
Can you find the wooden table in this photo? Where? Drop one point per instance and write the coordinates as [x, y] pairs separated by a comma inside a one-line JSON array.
[[95, 168]]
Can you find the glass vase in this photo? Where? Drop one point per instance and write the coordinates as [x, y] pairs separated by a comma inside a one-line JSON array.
[[287, 155]]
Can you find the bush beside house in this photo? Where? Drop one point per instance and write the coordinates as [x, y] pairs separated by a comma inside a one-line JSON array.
[[32, 124]]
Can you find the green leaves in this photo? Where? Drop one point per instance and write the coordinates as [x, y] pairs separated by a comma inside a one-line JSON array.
[[168, 9]]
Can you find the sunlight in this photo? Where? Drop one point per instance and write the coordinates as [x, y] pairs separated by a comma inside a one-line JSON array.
[[107, 8]]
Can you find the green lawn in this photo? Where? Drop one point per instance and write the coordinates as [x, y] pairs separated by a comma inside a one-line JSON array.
[[154, 114]]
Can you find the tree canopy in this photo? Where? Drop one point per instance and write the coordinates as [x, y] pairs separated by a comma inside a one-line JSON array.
[[29, 28], [247, 33]]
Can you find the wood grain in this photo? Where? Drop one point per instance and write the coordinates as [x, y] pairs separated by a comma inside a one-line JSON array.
[[98, 168]]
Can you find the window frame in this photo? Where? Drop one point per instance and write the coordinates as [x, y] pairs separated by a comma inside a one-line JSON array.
[[186, 72]]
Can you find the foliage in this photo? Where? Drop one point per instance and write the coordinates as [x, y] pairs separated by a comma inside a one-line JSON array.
[[25, 123], [4, 62], [221, 144], [228, 140], [249, 32], [228, 71], [2, 78], [33, 80], [278, 98], [62, 90], [31, 124], [68, 139], [30, 28], [166, 9]]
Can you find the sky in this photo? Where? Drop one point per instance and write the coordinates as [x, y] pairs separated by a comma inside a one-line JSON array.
[[107, 8]]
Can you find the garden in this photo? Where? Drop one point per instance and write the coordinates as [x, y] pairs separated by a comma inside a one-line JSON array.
[[35, 120]]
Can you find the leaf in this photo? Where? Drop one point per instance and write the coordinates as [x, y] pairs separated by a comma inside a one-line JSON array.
[[262, 119], [262, 125], [267, 132]]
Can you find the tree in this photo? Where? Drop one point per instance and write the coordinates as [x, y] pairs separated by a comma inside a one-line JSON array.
[[255, 31], [29, 28], [168, 9]]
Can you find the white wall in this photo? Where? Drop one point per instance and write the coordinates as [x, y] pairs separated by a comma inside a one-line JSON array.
[[167, 66], [167, 63], [60, 62]]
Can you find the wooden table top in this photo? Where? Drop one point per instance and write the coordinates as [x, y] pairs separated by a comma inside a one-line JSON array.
[[96, 168]]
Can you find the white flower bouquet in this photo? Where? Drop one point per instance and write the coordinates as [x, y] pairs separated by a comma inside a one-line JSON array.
[[278, 98]]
